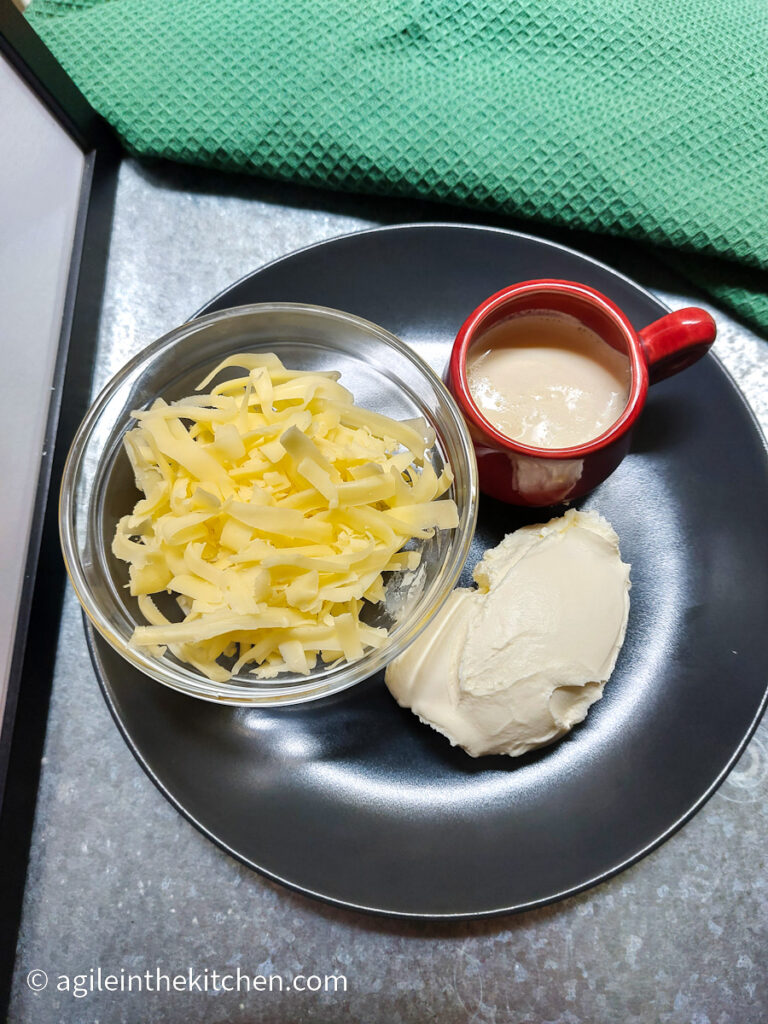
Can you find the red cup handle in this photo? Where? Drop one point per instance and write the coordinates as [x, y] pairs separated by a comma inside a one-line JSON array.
[[676, 341]]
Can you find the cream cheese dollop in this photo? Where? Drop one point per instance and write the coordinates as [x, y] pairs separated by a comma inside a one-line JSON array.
[[514, 664]]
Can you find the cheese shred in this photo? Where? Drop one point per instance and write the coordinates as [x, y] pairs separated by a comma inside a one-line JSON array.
[[272, 506]]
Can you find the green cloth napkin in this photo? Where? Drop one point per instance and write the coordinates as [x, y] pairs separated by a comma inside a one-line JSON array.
[[642, 119]]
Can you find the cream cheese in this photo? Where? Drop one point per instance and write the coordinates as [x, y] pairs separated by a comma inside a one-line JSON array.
[[517, 662]]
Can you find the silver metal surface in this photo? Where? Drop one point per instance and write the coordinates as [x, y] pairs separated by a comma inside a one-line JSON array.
[[117, 879]]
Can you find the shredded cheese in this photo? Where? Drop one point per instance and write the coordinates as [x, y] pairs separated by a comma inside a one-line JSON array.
[[272, 506]]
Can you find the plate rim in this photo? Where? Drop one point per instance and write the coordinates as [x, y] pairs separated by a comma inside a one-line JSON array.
[[519, 908]]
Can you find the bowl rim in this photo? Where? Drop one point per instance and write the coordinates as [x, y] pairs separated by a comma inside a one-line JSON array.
[[186, 679]]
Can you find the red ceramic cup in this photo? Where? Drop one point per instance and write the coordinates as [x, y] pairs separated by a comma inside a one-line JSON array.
[[524, 475]]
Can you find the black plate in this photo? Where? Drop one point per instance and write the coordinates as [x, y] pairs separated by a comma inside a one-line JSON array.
[[354, 801]]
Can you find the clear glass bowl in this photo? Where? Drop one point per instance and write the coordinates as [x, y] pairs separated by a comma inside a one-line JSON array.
[[382, 373]]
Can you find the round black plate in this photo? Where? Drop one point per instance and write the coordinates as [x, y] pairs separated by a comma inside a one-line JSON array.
[[354, 801]]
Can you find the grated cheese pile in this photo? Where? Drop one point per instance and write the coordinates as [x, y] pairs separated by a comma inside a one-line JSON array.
[[272, 506]]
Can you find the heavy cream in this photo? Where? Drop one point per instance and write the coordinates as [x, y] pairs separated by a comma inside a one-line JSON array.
[[516, 663], [547, 380]]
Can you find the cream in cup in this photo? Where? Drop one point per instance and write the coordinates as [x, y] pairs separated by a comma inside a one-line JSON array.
[[537, 456], [547, 380]]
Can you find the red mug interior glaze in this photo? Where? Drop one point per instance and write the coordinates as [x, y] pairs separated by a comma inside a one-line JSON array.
[[523, 475]]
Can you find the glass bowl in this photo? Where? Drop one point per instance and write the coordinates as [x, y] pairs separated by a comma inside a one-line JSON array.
[[382, 373]]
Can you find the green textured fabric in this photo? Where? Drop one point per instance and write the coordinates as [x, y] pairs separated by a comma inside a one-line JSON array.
[[643, 119]]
